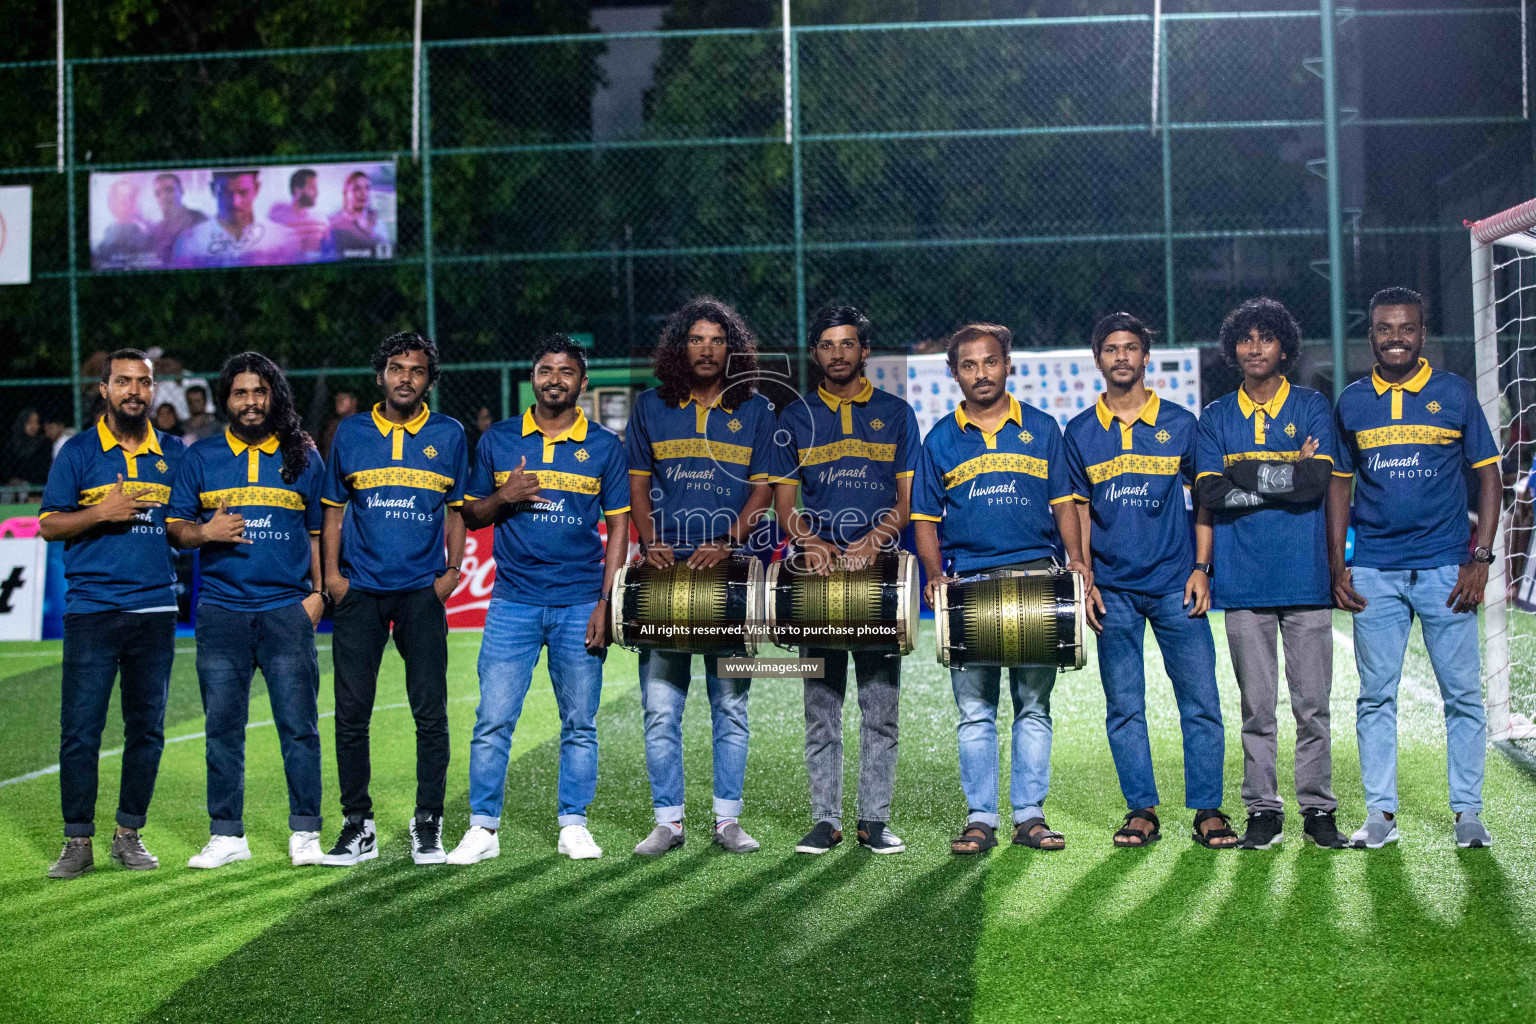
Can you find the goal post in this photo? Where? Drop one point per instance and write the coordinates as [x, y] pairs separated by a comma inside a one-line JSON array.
[[1503, 274]]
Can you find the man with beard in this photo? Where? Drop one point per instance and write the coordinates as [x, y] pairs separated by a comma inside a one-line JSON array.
[[1406, 434], [298, 214], [546, 480], [401, 468], [105, 499], [250, 499], [234, 238], [995, 474], [698, 483], [1262, 460], [851, 454], [355, 228], [1131, 457], [175, 217]]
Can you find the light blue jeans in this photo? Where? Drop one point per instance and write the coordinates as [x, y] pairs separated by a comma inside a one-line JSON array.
[[664, 679], [977, 693], [1393, 597], [514, 635]]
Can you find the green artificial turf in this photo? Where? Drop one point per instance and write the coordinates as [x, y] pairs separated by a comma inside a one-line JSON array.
[[1417, 932]]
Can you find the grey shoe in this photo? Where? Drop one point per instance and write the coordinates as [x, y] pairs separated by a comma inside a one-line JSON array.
[[75, 859], [734, 839], [659, 842], [128, 850], [1377, 832], [1471, 832]]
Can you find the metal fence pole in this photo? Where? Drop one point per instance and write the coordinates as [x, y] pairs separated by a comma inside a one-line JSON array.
[[799, 198], [426, 189], [1169, 319], [506, 392], [1335, 213], [74, 270]]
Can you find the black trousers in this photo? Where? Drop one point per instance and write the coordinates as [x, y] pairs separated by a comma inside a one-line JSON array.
[[362, 627]]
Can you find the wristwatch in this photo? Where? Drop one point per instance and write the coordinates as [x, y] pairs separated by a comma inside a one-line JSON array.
[[1483, 555], [1206, 567], [325, 599]]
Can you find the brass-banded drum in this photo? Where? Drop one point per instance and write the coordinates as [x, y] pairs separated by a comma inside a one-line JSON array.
[[1012, 618], [718, 610], [870, 609]]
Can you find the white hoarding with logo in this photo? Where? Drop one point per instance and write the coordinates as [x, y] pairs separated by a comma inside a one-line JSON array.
[[16, 234], [1062, 382], [23, 563]]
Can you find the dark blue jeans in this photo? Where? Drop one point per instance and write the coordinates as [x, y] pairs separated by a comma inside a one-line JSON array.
[[97, 647], [1189, 656], [231, 645]]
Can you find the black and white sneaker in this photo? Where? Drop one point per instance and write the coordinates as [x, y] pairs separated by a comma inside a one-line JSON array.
[[1321, 828], [1265, 829], [820, 839], [427, 840], [876, 838], [357, 842]]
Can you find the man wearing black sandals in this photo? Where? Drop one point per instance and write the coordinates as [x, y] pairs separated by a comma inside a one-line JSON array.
[[1131, 458], [995, 474], [1262, 464]]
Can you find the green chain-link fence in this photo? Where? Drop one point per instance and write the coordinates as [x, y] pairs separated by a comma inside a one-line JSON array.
[[935, 172]]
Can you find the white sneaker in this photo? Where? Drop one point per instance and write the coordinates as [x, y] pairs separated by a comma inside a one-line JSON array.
[[478, 844], [577, 843], [304, 849], [221, 850]]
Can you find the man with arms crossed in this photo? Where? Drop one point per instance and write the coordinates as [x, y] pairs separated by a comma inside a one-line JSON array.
[[401, 468], [250, 499], [700, 450], [546, 480], [1262, 462], [105, 499], [995, 474], [852, 452], [1131, 457], [1405, 434]]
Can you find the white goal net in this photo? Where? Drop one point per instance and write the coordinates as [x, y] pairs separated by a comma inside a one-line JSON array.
[[1504, 319]]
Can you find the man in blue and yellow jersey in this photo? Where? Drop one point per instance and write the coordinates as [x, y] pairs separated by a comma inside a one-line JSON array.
[[994, 475], [105, 499], [1407, 435], [547, 480], [250, 500], [851, 453], [700, 452], [1262, 463], [1132, 456], [393, 487]]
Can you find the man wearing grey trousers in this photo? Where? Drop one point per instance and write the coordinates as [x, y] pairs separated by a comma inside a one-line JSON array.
[[851, 450], [1263, 459]]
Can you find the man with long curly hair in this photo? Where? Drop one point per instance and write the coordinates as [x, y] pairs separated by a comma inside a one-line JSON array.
[[1263, 458], [250, 500], [700, 451]]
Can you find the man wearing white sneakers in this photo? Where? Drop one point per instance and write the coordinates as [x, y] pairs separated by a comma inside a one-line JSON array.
[[546, 480]]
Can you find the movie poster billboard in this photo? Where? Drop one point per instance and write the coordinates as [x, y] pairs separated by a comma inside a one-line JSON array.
[[242, 216]]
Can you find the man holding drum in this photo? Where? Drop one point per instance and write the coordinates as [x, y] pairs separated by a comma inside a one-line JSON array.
[[1132, 456], [545, 479], [700, 450], [851, 452], [995, 474]]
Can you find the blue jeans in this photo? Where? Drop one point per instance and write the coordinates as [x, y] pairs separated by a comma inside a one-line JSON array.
[[1189, 656], [664, 679], [97, 647], [977, 693], [231, 645], [1393, 597], [514, 635]]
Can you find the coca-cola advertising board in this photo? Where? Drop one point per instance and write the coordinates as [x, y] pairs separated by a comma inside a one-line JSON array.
[[470, 599]]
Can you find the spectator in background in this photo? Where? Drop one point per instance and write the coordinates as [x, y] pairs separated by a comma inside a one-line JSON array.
[[28, 452], [310, 232], [200, 423], [166, 420], [57, 432], [174, 217], [483, 421], [346, 405], [355, 230]]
